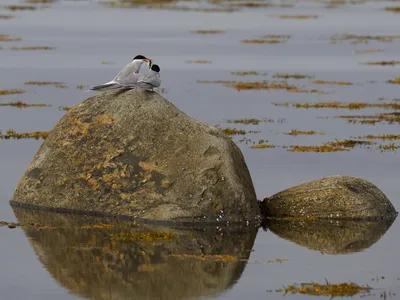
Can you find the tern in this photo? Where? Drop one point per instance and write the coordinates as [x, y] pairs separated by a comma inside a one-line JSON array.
[[129, 75], [149, 80]]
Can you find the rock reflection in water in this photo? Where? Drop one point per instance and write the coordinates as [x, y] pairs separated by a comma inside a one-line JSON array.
[[102, 259], [330, 237]]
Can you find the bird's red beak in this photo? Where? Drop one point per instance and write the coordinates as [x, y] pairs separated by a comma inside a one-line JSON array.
[[147, 59]]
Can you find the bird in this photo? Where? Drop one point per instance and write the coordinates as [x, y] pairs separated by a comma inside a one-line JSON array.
[[149, 80], [127, 76]]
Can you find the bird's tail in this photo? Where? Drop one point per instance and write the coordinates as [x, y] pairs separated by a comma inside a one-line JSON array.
[[105, 87]]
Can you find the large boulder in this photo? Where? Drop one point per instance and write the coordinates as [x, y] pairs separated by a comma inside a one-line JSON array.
[[134, 154], [333, 197]]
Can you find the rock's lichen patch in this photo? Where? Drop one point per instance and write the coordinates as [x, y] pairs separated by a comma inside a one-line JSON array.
[[12, 134], [296, 132], [11, 92], [144, 237], [328, 289]]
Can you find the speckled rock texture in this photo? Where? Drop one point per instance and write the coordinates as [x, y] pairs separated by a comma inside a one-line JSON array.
[[133, 153], [334, 197]]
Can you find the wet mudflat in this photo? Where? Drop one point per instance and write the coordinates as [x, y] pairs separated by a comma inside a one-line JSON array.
[[310, 89]]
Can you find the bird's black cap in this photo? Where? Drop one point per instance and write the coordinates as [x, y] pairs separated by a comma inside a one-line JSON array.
[[155, 68], [139, 57]]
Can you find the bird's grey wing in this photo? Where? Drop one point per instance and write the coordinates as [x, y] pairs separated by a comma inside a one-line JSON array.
[[150, 80], [127, 75]]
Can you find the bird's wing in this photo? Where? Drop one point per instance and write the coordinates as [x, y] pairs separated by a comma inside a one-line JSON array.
[[150, 79], [127, 75]]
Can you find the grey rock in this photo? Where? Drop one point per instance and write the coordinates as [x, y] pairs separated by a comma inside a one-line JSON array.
[[334, 197], [134, 154]]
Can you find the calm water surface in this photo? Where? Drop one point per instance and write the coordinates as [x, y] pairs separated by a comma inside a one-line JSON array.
[[71, 263]]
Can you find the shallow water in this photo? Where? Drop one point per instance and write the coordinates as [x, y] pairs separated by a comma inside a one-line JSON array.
[[86, 33]]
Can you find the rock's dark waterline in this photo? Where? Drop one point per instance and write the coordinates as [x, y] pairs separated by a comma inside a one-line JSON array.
[[135, 154]]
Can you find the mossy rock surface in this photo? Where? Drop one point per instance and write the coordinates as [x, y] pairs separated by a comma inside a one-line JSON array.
[[133, 153], [333, 197]]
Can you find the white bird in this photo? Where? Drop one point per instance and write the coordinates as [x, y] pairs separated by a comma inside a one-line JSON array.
[[127, 76], [149, 80]]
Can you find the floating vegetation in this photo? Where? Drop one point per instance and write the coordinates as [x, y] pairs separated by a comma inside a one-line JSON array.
[[363, 122], [298, 17], [107, 63], [233, 131], [332, 290], [296, 132], [337, 105], [332, 82], [381, 137], [382, 63], [393, 9], [148, 237], [198, 62], [249, 73], [262, 146], [6, 17], [394, 81], [10, 225], [367, 51], [261, 41], [217, 81], [246, 121], [11, 92], [362, 39], [391, 118], [7, 38], [21, 104], [57, 84], [390, 147], [20, 7], [32, 48], [323, 148], [40, 1], [268, 39], [292, 76], [209, 257], [349, 143], [12, 134], [265, 85], [66, 108], [80, 87], [208, 31]]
